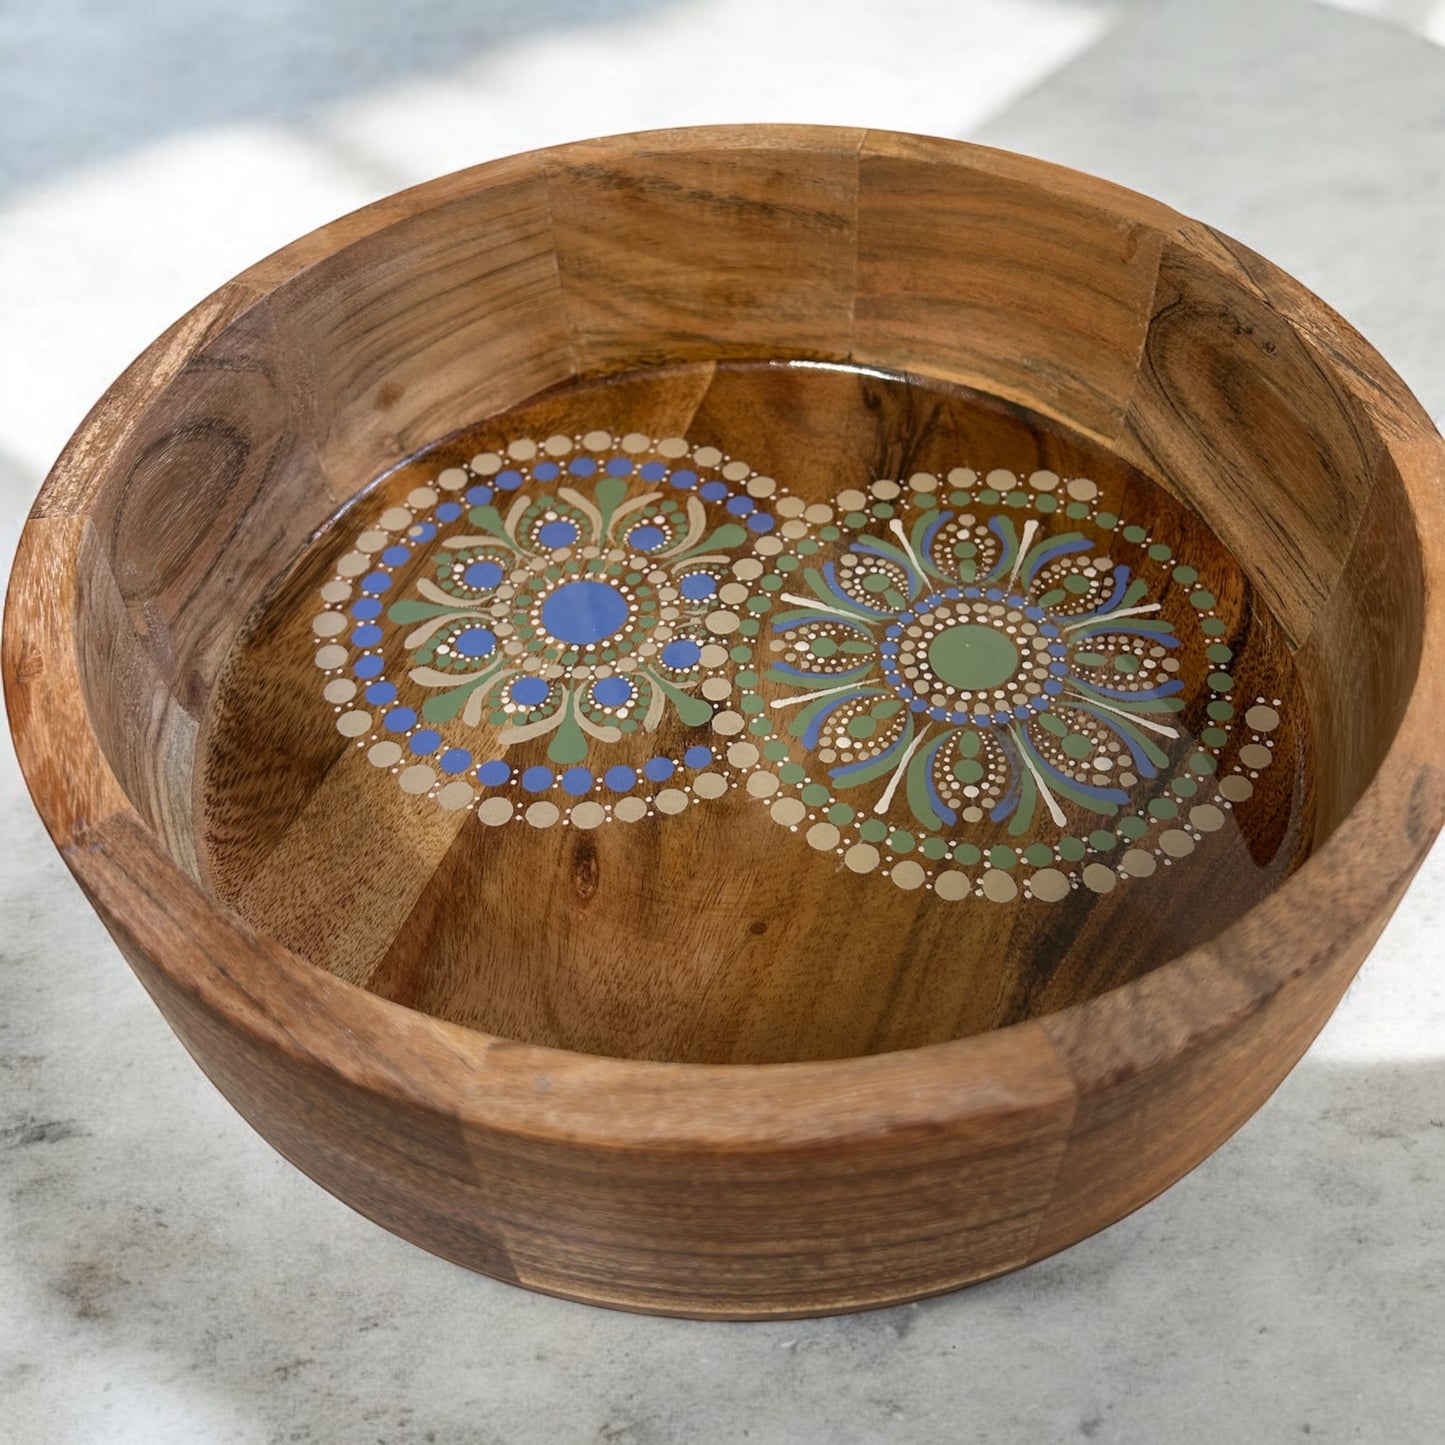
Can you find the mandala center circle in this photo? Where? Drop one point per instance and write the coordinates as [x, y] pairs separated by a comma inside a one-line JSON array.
[[973, 657], [584, 612]]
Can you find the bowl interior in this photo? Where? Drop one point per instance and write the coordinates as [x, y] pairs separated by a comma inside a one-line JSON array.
[[720, 600]]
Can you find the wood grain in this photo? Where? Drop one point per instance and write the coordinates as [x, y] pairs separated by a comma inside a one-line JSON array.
[[686, 1066]]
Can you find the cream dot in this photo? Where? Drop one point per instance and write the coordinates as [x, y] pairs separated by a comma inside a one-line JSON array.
[[908, 875], [328, 624], [672, 447], [453, 479], [707, 456], [597, 441], [713, 655], [861, 858], [455, 795], [885, 491], [1137, 863], [762, 785], [734, 594], [924, 482], [339, 690], [335, 591], [1098, 879], [353, 724], [330, 656], [421, 498], [1043, 481], [742, 755], [394, 519], [557, 445], [749, 569], [1049, 884], [486, 464], [722, 622], [1176, 842], [1235, 788], [768, 546], [417, 778], [634, 441], [998, 886], [1081, 489], [823, 837], [953, 885], [1003, 480], [1256, 756], [670, 800], [728, 723], [716, 689], [542, 814], [630, 810], [1262, 719], [736, 471], [794, 528], [374, 541], [762, 487], [850, 500], [962, 477], [494, 811], [522, 450], [353, 564], [789, 506], [709, 785], [1207, 818], [384, 754], [588, 815]]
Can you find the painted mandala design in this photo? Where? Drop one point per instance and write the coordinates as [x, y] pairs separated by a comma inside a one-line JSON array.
[[970, 684]]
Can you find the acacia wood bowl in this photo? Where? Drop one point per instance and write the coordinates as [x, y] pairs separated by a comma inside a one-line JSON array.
[[743, 722]]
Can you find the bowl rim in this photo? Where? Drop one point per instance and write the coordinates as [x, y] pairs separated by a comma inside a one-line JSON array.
[[214, 957]]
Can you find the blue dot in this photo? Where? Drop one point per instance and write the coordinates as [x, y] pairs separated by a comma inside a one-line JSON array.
[[365, 608], [375, 582], [537, 780], [395, 556], [493, 774], [741, 506], [529, 691], [380, 692], [474, 642], [1053, 687], [697, 586], [577, 781], [482, 574], [1021, 712], [620, 779], [425, 740], [367, 636], [619, 467], [422, 532], [455, 760], [646, 538], [1033, 613], [582, 466], [681, 654], [761, 522], [582, 612], [546, 471], [1059, 669], [659, 770], [449, 511], [684, 478], [994, 595], [652, 471], [478, 496], [557, 534], [366, 666], [713, 491], [508, 480], [400, 720], [698, 757], [611, 691], [917, 704]]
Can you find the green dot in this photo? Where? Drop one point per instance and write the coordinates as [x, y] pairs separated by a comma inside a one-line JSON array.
[[1017, 499], [1163, 807], [1202, 600], [1126, 662], [1220, 710], [815, 795], [752, 703], [873, 830], [900, 841], [923, 501], [1076, 745], [828, 534], [1133, 827], [1107, 520], [966, 853], [1051, 724], [960, 499], [793, 773], [856, 520], [759, 604], [1002, 856], [1072, 849], [775, 750], [748, 627], [628, 724], [933, 846], [862, 726], [1186, 787], [968, 770], [882, 510], [1077, 510], [1102, 840], [1160, 553], [1220, 681], [747, 677], [808, 546], [972, 656], [1134, 534], [1076, 584], [988, 497], [1214, 626], [1046, 503], [840, 813], [969, 743], [1202, 763], [1214, 737], [1219, 652], [877, 582], [1185, 576], [964, 550], [786, 564], [771, 584], [760, 727], [1039, 854]]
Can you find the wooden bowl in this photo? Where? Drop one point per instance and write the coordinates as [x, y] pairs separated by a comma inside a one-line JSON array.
[[743, 722]]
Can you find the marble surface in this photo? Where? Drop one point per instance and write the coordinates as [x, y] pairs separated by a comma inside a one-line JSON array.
[[165, 1277]]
